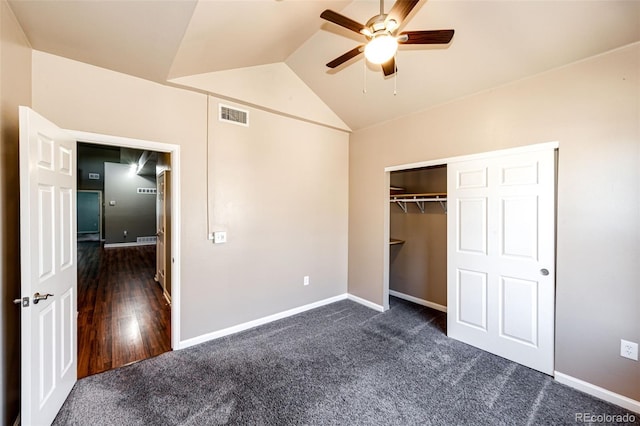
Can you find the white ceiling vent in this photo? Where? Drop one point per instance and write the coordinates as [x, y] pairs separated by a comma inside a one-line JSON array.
[[233, 115]]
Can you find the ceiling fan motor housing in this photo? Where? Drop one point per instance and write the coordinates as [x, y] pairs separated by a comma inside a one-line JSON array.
[[379, 23]]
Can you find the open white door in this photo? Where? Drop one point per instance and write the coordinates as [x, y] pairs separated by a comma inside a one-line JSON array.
[[162, 222], [48, 267], [501, 256]]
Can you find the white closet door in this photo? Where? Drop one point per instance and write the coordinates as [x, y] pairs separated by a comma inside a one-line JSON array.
[[501, 256]]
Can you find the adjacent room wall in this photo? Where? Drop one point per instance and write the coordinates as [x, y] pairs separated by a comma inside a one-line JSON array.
[[91, 159], [127, 213], [592, 109], [280, 191], [418, 267], [15, 90]]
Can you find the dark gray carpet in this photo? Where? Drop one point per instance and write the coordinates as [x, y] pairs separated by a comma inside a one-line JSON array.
[[342, 364]]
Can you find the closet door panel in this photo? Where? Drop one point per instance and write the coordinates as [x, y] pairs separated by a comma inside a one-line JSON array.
[[501, 226]]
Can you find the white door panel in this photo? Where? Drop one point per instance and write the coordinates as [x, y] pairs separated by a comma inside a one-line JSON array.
[[48, 266], [68, 332], [501, 220], [472, 299], [472, 225], [519, 227], [471, 178], [67, 235], [519, 310]]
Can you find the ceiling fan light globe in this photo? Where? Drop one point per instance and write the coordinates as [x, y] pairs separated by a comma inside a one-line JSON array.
[[381, 49]]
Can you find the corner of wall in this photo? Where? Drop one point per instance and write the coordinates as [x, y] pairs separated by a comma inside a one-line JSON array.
[[15, 90]]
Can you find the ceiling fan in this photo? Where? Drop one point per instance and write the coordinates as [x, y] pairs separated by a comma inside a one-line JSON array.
[[380, 32]]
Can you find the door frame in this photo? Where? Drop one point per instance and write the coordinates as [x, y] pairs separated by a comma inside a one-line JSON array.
[[174, 152], [439, 162]]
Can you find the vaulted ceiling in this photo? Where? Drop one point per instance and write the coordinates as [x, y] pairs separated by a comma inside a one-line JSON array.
[[272, 53]]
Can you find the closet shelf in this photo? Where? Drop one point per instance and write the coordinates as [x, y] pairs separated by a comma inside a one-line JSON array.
[[393, 241], [402, 199]]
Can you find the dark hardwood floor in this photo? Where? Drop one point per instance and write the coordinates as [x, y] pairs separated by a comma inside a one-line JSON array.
[[122, 315]]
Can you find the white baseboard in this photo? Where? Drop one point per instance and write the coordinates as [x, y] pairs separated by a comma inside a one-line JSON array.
[[260, 321], [365, 302], [265, 320], [598, 392], [419, 301], [132, 244]]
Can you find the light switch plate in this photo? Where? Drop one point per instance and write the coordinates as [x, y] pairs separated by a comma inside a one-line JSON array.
[[219, 237]]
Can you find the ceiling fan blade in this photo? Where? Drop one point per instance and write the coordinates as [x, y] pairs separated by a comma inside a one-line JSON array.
[[344, 58], [400, 10], [389, 67], [342, 20], [426, 37]]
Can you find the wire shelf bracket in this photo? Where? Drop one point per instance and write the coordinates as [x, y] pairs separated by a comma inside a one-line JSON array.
[[419, 199]]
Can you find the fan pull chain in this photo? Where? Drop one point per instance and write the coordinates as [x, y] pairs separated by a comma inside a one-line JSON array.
[[364, 68], [395, 76]]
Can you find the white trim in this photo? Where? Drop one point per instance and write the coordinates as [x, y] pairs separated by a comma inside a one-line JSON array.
[[419, 301], [122, 141], [366, 303], [489, 154], [174, 150], [132, 244], [386, 247], [176, 263], [255, 323], [280, 315], [598, 392]]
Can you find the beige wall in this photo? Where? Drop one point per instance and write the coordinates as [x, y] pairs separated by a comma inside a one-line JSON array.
[[279, 189], [274, 87], [15, 90], [592, 108], [418, 267]]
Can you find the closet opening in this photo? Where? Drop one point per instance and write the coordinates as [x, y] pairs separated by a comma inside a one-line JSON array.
[[495, 280], [418, 236]]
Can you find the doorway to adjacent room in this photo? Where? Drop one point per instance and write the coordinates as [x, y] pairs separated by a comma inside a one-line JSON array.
[[124, 312]]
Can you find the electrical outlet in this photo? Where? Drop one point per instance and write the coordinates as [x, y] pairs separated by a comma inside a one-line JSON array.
[[306, 280], [629, 349]]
